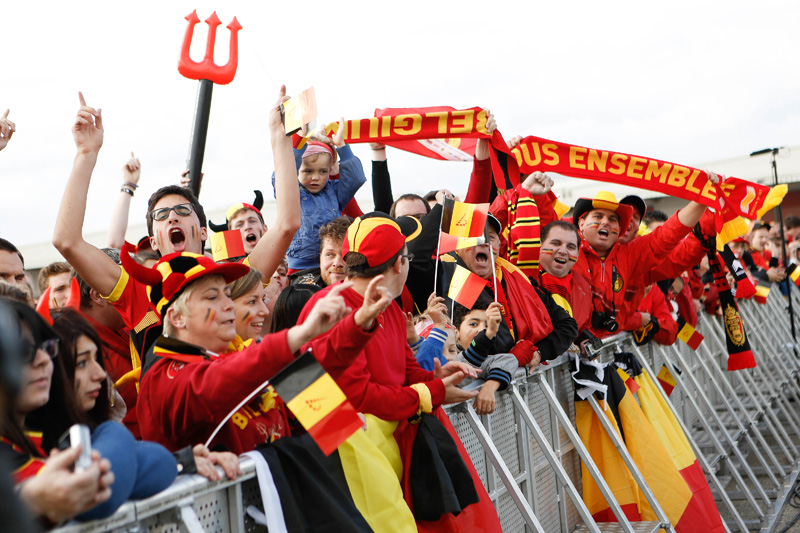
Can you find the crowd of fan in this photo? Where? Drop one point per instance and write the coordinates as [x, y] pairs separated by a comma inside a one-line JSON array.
[[153, 345]]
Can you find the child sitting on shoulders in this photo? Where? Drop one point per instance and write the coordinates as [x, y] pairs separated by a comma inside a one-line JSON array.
[[476, 329], [326, 187]]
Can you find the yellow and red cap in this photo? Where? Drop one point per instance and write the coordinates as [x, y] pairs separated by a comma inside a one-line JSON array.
[[603, 200], [377, 236]]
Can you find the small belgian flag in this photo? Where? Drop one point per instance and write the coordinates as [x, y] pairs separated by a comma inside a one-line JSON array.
[[688, 334], [227, 244], [762, 291], [794, 274], [317, 402], [666, 380], [464, 220], [465, 287], [449, 243]]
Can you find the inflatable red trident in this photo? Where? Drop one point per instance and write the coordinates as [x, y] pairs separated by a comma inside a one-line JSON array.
[[208, 73]]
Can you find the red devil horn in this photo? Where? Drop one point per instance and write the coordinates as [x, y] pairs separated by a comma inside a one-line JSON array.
[[43, 307], [148, 276], [74, 298]]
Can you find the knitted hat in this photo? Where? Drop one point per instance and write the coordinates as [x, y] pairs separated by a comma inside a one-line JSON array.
[[174, 272]]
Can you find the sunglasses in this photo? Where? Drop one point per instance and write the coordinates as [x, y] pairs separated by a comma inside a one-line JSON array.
[[183, 210], [50, 346]]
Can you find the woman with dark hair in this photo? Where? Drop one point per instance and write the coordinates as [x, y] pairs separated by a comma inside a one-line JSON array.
[[47, 485], [289, 305], [83, 364]]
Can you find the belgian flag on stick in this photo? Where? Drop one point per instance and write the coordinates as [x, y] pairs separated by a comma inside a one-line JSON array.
[[762, 291], [667, 380], [464, 220], [449, 243], [227, 244], [688, 334], [465, 287], [794, 274], [317, 402]]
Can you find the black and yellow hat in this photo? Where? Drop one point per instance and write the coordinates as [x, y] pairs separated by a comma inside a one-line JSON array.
[[173, 272], [603, 200], [377, 236]]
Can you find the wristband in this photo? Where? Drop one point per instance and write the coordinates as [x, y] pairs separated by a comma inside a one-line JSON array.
[[127, 190], [131, 185], [379, 149]]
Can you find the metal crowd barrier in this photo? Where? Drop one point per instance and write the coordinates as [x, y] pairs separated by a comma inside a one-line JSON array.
[[743, 427]]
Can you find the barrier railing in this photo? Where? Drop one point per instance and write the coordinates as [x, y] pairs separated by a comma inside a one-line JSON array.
[[742, 426]]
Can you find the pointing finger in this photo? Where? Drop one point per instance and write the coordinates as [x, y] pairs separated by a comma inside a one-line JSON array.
[[80, 97]]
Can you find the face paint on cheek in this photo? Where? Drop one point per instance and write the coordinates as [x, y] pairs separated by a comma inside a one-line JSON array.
[[160, 238], [247, 316], [193, 232], [546, 251], [210, 316], [592, 224], [573, 258], [614, 232]]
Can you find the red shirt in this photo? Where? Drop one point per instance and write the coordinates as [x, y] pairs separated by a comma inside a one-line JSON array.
[[378, 381], [626, 265], [23, 465]]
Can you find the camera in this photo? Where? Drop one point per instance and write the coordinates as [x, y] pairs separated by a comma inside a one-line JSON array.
[[605, 321], [593, 348], [78, 434]]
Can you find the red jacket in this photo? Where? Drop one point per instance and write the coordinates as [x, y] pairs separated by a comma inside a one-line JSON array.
[[181, 403], [630, 262], [379, 380]]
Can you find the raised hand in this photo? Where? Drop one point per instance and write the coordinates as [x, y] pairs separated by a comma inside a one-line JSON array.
[[453, 367], [437, 310], [493, 318], [88, 128], [131, 170], [7, 129], [452, 394], [338, 137], [327, 311], [538, 183], [275, 120], [376, 300]]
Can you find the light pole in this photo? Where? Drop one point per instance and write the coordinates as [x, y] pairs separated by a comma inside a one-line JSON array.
[[779, 214]]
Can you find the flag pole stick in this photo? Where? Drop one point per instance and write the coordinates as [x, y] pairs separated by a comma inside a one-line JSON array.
[[494, 274], [438, 247]]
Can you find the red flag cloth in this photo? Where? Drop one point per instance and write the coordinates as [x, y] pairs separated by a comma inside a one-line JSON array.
[[731, 199], [449, 149], [449, 243]]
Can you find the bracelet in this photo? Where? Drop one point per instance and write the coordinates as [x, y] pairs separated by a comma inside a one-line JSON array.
[[378, 149], [130, 185], [127, 190]]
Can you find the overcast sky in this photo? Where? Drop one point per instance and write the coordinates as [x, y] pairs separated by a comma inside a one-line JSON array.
[[681, 81]]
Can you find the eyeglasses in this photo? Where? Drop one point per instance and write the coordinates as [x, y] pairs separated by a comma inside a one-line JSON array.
[[183, 210], [409, 257], [50, 346]]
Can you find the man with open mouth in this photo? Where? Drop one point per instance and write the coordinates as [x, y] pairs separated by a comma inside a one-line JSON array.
[[176, 222], [534, 326], [611, 266]]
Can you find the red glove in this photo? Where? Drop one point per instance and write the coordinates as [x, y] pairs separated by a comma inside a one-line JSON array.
[[524, 351]]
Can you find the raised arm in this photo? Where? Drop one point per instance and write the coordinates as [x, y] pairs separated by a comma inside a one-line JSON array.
[[269, 251], [95, 267], [7, 129], [119, 218]]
